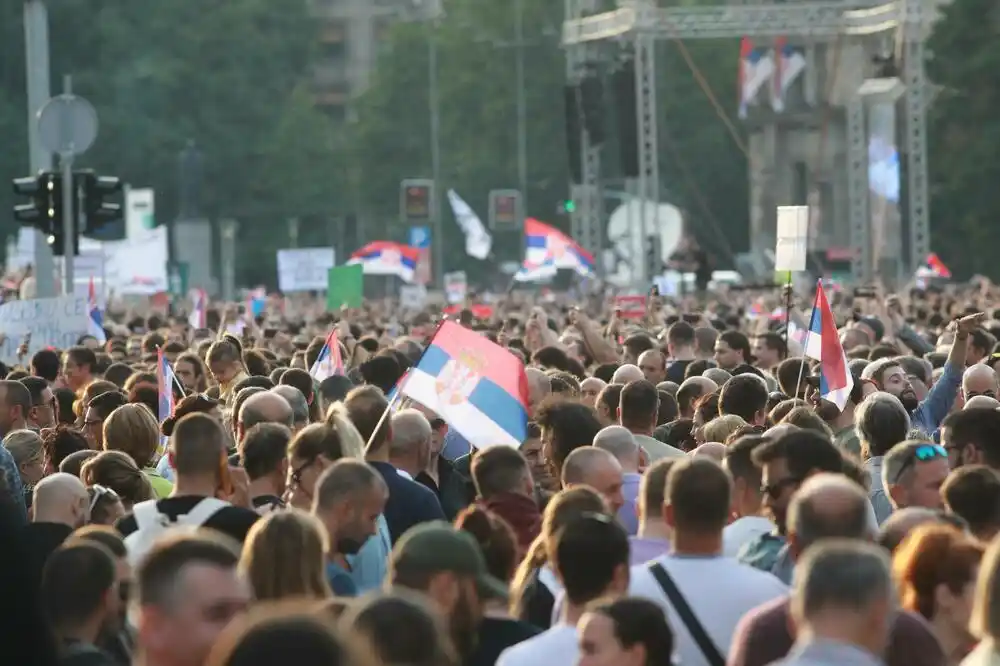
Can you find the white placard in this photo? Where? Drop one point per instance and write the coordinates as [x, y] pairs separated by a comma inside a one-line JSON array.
[[140, 212], [137, 266], [793, 238], [412, 296], [304, 269], [455, 286], [52, 322]]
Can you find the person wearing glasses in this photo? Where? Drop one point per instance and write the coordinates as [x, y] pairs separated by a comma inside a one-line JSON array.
[[43, 403], [913, 473]]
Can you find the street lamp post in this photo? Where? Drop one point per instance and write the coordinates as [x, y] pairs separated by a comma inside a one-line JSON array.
[[437, 246]]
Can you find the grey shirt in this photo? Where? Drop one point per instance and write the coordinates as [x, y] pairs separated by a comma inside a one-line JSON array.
[[822, 652]]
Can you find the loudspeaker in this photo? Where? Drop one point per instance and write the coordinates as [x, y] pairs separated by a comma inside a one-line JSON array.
[[623, 80], [592, 107]]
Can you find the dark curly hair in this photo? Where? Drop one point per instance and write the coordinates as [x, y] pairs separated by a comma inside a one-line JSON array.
[[60, 442]]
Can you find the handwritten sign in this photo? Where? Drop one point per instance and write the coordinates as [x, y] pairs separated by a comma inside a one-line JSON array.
[[304, 269], [52, 322]]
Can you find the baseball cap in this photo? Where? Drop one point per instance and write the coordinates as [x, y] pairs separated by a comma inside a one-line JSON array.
[[437, 546]]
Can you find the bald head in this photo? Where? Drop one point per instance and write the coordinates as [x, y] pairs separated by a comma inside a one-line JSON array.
[[827, 506], [590, 388], [410, 435], [619, 442], [979, 379], [60, 498], [717, 375], [902, 522], [265, 407], [297, 402], [713, 450], [627, 373], [669, 387], [539, 386], [982, 402], [653, 365]]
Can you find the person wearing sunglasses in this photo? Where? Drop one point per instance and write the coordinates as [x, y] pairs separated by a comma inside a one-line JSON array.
[[105, 505], [913, 472]]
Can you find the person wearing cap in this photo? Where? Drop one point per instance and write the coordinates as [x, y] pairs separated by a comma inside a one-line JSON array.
[[448, 566]]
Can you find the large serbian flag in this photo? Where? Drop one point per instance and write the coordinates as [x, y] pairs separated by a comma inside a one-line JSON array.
[[478, 387]]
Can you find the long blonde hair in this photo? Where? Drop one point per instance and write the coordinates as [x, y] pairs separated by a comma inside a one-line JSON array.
[[565, 506], [284, 556], [352, 444]]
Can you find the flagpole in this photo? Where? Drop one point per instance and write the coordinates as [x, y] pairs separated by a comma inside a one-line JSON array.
[[805, 357], [788, 309], [399, 392]]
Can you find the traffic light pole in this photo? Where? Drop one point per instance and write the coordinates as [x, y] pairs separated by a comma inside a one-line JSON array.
[[36, 39]]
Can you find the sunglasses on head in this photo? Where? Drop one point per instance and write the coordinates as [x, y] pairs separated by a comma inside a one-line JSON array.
[[98, 492], [922, 453]]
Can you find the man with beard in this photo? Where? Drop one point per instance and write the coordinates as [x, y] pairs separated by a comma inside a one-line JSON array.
[[448, 566], [889, 376], [350, 496], [80, 599]]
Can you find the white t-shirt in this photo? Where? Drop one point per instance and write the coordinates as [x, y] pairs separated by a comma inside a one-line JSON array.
[[555, 647], [742, 531], [719, 591]]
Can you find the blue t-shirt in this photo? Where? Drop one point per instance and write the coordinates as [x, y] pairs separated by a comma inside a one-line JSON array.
[[340, 580]]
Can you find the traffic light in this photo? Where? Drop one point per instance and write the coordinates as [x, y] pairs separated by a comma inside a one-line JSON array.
[[567, 207], [95, 190], [417, 200], [45, 191], [505, 209]]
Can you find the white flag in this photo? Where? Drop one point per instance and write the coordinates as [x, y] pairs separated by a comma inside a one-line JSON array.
[[478, 241]]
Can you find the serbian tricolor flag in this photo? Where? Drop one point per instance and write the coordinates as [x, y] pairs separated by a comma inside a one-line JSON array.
[[199, 308], [777, 85], [95, 318], [165, 389], [933, 267], [387, 258], [822, 343], [755, 69], [329, 362], [477, 387], [544, 244]]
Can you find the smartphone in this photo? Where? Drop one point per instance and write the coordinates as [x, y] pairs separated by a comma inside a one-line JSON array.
[[269, 333], [864, 292]]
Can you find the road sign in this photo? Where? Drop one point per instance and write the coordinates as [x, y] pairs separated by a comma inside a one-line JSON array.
[[67, 125], [420, 237]]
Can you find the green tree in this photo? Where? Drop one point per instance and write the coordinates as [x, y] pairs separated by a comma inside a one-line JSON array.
[[479, 129], [964, 135]]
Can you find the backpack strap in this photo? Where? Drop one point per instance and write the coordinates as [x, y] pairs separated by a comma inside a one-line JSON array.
[[202, 512], [147, 515]]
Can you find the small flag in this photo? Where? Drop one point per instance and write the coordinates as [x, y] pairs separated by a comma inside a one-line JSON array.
[[198, 309], [95, 318], [329, 362], [822, 343], [478, 241], [165, 389]]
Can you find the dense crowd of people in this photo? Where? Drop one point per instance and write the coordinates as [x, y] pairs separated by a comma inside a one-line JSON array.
[[685, 494]]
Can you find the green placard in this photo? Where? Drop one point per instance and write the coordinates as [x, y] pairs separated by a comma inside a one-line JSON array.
[[344, 286]]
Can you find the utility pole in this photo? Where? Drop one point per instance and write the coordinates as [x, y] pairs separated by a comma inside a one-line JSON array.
[[522, 112], [36, 40], [437, 246]]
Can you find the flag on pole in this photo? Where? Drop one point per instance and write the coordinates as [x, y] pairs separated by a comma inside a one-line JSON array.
[[329, 362], [478, 241], [478, 387], [95, 318], [777, 82], [198, 309], [823, 344], [165, 389]]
